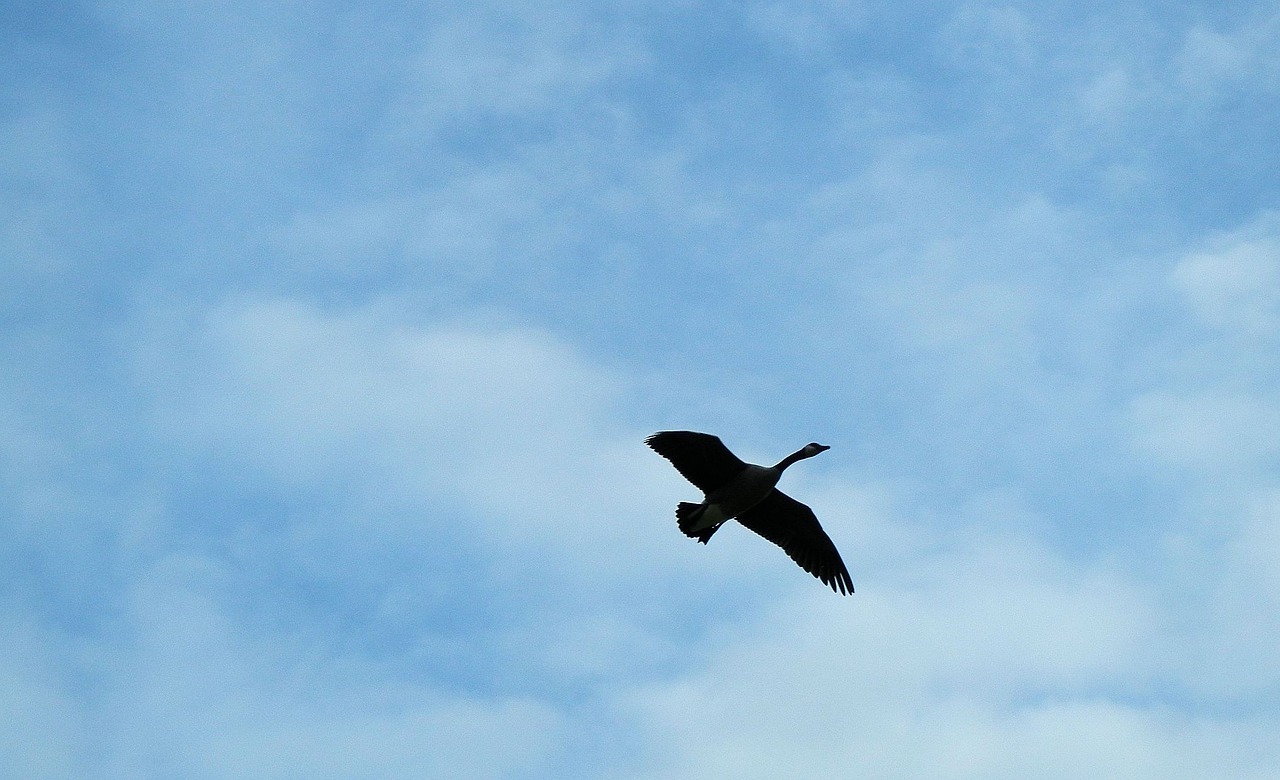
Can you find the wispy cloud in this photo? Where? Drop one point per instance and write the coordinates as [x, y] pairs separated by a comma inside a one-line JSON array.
[[330, 338]]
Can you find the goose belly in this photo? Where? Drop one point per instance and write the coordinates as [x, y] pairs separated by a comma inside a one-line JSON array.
[[749, 489]]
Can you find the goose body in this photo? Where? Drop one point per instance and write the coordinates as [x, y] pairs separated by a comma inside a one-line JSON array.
[[734, 489]]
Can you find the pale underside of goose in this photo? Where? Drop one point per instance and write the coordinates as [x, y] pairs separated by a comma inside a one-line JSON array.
[[734, 490]]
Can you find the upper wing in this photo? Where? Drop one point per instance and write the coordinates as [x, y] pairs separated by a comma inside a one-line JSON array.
[[700, 457], [793, 526]]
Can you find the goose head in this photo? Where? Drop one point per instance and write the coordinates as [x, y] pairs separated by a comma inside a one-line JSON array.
[[807, 451]]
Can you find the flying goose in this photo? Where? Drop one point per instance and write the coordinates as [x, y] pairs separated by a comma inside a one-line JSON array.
[[745, 491]]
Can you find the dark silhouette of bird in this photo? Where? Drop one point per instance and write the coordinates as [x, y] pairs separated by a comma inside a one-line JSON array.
[[746, 492]]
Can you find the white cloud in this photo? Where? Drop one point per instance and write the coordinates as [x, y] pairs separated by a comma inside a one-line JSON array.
[[989, 657], [470, 229], [968, 294], [1210, 430], [502, 423], [185, 687], [999, 39], [810, 27], [1211, 403], [1234, 284], [1208, 427], [1212, 60], [504, 61], [1236, 648], [180, 686], [972, 652], [1109, 96], [29, 455], [40, 189], [39, 722]]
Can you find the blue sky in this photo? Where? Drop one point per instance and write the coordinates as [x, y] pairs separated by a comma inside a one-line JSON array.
[[331, 335]]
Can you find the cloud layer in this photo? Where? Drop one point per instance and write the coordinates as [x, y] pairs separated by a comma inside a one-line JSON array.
[[331, 338]]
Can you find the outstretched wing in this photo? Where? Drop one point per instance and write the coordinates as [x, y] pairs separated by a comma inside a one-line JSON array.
[[794, 527], [699, 457]]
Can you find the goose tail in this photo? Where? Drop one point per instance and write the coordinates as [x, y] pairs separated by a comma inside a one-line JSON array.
[[687, 517]]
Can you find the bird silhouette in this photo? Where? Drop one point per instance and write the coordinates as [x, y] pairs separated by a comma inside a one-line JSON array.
[[746, 492]]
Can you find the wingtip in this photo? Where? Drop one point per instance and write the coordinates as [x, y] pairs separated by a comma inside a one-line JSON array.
[[841, 583]]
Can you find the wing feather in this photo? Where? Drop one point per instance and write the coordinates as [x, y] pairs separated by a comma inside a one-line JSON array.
[[795, 528], [699, 457]]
